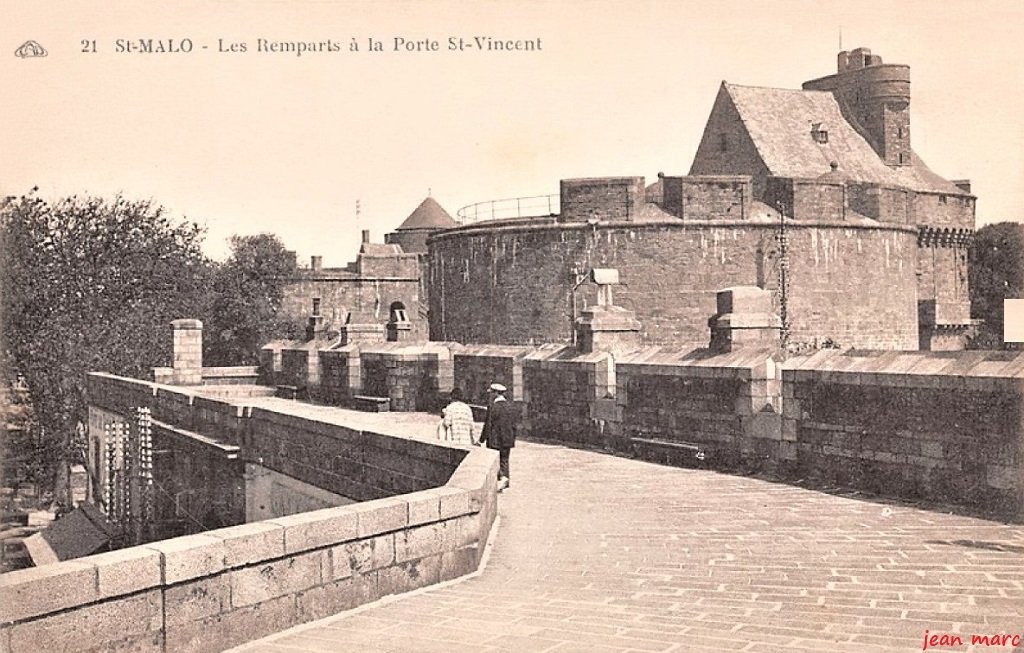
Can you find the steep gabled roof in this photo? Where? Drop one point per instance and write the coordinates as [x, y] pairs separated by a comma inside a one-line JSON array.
[[779, 122], [380, 249], [79, 533], [428, 215]]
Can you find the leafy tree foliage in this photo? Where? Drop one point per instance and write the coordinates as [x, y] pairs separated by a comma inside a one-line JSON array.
[[90, 284], [996, 273], [249, 288]]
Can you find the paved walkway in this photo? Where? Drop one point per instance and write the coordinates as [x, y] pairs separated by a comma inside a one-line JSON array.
[[597, 553]]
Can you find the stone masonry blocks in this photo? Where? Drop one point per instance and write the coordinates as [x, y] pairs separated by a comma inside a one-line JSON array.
[[381, 516], [126, 571], [101, 626], [261, 582], [190, 557], [317, 528], [40, 590]]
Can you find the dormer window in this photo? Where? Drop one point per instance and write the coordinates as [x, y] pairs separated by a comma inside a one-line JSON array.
[[819, 133]]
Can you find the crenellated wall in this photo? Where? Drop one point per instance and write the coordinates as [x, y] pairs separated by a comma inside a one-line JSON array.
[[601, 198]]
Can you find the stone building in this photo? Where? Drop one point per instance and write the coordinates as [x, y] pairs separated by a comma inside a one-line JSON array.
[[875, 243], [813, 194], [383, 285]]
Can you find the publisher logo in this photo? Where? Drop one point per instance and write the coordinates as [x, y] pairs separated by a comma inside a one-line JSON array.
[[30, 49]]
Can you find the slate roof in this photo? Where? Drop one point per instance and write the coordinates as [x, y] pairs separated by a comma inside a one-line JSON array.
[[779, 123], [428, 215], [81, 532], [381, 249]]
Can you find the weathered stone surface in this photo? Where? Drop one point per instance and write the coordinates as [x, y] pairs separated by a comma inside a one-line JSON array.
[[362, 556], [317, 528], [92, 626], [126, 571], [189, 557], [40, 590], [252, 585], [427, 540], [336, 596], [458, 562], [405, 576], [381, 516], [197, 599], [219, 632], [247, 543], [424, 506]]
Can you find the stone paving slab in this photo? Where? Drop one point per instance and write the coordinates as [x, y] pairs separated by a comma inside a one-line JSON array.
[[599, 553]]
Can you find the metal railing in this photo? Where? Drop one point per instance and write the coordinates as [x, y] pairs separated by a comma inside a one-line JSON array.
[[514, 207]]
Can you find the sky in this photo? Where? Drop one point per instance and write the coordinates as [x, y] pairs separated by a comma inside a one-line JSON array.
[[262, 141]]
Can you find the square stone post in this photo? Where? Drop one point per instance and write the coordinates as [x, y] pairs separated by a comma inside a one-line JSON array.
[[187, 367]]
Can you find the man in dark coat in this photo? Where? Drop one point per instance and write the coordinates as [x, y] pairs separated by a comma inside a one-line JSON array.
[[500, 430]]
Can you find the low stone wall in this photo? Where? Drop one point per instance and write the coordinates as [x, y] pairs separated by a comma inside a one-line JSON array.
[[478, 366], [354, 463], [916, 425], [563, 391], [413, 377], [238, 375], [722, 411], [341, 376], [211, 591]]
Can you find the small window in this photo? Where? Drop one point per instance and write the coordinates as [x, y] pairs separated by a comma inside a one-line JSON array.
[[398, 312], [943, 199], [723, 142], [316, 307], [819, 133], [899, 132], [903, 158]]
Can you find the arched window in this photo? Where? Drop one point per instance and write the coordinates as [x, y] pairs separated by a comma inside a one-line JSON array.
[[398, 313]]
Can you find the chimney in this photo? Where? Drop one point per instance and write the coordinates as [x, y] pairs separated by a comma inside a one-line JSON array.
[[316, 263], [744, 320], [187, 367], [366, 235]]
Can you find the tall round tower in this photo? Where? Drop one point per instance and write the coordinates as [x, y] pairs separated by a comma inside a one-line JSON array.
[[875, 99]]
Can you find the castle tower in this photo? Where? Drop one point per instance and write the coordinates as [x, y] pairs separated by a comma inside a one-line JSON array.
[[875, 99], [412, 234]]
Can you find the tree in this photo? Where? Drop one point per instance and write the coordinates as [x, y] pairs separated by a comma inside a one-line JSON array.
[[90, 284], [996, 273], [249, 288]]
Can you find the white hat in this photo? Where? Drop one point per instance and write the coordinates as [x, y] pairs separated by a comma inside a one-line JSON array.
[[497, 387]]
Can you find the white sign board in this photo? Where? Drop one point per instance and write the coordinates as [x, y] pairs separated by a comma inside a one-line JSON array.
[[1013, 320]]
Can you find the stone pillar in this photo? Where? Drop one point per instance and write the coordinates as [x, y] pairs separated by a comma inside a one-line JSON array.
[[606, 327], [744, 319], [399, 331], [187, 368], [315, 327], [361, 334]]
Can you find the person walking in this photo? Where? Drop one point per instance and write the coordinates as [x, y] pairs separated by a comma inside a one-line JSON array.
[[456, 425], [500, 431]]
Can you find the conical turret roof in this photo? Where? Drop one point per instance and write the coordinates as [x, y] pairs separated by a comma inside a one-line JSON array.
[[428, 215]]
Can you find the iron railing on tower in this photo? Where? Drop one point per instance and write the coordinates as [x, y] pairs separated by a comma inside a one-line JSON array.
[[505, 209]]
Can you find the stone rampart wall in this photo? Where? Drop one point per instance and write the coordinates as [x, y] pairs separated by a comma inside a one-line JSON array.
[[218, 589], [902, 429], [954, 443], [514, 285], [476, 367], [211, 591]]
